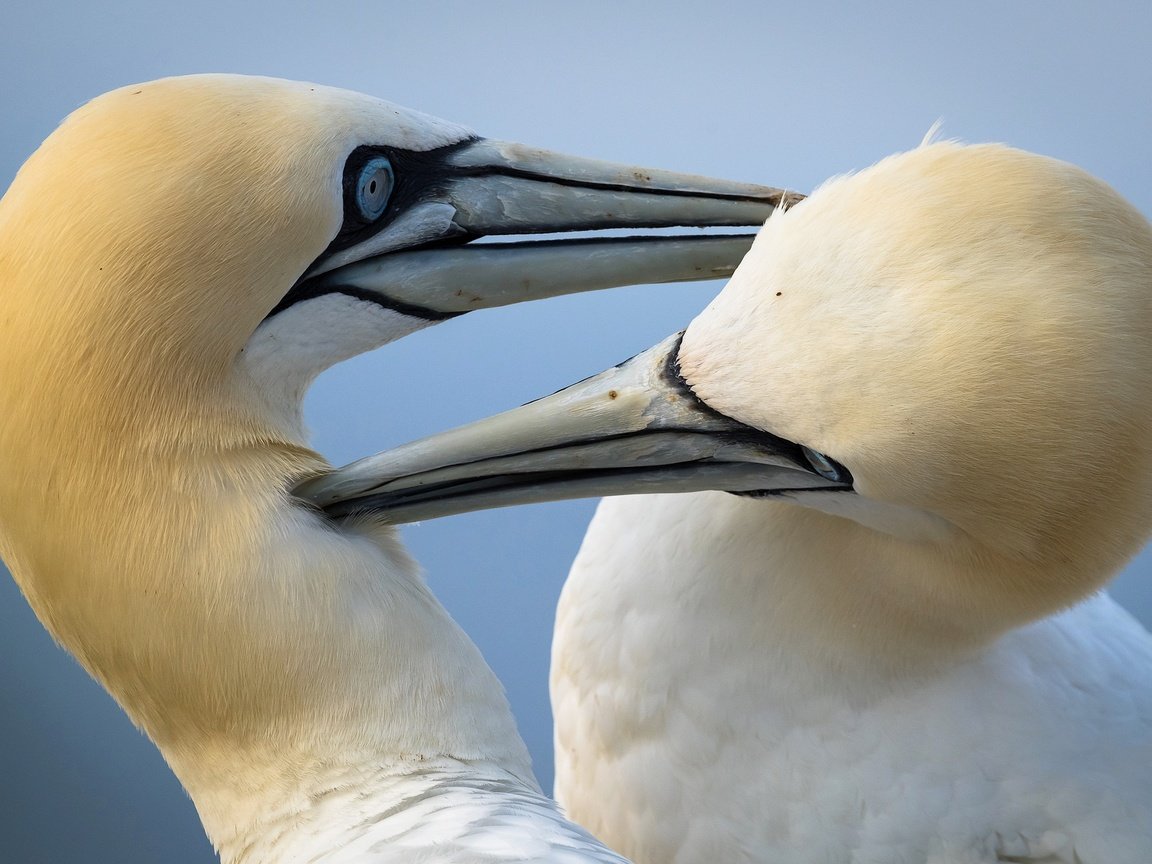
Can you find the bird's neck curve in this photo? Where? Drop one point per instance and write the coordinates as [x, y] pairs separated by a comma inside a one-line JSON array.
[[267, 651], [832, 606]]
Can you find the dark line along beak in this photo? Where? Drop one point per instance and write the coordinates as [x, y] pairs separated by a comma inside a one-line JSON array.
[[635, 428], [415, 260]]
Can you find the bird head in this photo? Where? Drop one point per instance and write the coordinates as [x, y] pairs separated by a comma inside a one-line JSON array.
[[238, 235]]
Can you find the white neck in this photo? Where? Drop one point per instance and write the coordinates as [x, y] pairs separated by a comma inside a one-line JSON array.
[[288, 350], [834, 606]]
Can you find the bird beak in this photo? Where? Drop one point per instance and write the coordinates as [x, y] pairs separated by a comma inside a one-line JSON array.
[[428, 257], [636, 428]]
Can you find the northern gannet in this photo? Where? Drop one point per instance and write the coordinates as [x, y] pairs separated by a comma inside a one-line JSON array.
[[931, 385], [177, 262]]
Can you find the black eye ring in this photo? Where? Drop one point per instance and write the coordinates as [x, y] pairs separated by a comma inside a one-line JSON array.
[[374, 188], [826, 466]]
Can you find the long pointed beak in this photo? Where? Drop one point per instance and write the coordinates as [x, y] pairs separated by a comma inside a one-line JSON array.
[[425, 258], [512, 189], [635, 428]]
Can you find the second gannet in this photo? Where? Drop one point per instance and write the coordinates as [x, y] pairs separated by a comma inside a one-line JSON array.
[[931, 386], [177, 262]]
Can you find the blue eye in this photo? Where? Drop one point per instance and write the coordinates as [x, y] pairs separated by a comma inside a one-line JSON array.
[[825, 466], [374, 188]]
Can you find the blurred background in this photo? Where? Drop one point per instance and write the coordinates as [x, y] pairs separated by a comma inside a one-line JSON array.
[[780, 93]]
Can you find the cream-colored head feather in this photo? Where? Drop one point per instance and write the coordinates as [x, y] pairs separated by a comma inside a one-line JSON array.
[[156, 206], [969, 331]]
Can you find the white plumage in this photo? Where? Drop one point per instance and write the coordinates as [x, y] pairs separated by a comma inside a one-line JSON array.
[[756, 681]]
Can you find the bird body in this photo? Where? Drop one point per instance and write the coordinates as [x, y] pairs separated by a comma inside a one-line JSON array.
[[709, 700]]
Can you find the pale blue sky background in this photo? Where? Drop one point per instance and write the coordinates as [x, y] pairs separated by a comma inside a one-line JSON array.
[[779, 93]]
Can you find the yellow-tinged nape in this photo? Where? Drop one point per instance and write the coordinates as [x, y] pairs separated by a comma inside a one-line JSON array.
[[967, 329], [143, 504]]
